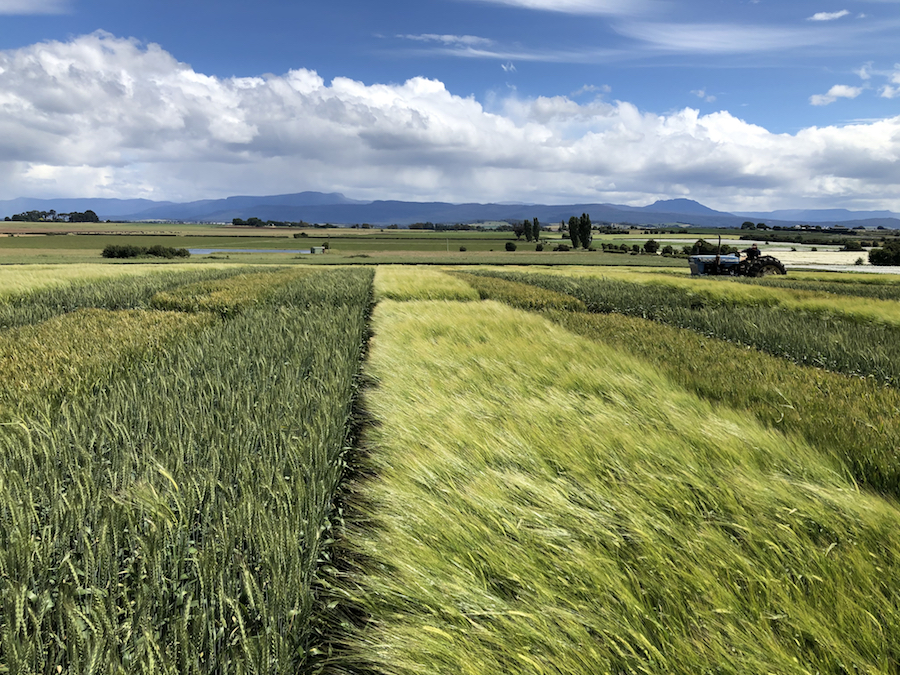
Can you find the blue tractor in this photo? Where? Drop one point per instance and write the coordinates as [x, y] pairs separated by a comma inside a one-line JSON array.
[[731, 264]]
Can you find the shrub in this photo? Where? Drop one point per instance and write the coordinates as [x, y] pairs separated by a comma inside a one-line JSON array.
[[562, 247], [888, 255], [510, 246], [539, 247], [157, 251], [668, 250], [852, 245], [462, 249], [652, 246]]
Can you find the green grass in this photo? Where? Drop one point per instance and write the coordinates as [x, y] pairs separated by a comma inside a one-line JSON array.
[[541, 503], [176, 516]]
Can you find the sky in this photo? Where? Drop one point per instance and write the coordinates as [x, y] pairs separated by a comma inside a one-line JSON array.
[[738, 104]]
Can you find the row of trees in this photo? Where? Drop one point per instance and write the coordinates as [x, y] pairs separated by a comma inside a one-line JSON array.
[[580, 231], [54, 217], [531, 229], [253, 221]]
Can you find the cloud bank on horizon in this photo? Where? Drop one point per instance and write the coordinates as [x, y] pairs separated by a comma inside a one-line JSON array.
[[104, 116]]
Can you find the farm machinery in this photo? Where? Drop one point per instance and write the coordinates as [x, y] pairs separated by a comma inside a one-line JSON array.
[[733, 265]]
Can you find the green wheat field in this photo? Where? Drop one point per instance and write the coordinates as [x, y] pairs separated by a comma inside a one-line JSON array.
[[406, 469]]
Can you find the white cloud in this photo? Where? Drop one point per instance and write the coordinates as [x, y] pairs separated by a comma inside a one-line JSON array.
[[836, 92], [701, 93], [466, 40], [592, 89], [709, 38], [107, 117], [585, 7], [508, 67], [828, 16], [33, 6], [865, 71]]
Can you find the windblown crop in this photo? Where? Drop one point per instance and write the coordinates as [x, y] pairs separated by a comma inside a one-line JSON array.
[[569, 510], [838, 342], [419, 282]]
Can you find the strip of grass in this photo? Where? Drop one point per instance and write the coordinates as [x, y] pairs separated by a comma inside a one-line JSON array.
[[406, 282], [565, 509], [175, 518], [886, 290], [837, 343]]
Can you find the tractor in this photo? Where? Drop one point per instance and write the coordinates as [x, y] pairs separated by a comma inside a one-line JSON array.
[[732, 265]]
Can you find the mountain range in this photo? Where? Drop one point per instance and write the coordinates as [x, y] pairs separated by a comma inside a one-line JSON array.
[[318, 207]]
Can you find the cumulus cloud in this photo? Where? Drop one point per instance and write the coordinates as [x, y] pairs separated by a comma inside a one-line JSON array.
[[108, 117], [33, 6], [836, 92], [828, 16], [889, 90]]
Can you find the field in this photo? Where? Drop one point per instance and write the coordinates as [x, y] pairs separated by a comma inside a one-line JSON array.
[[468, 469]]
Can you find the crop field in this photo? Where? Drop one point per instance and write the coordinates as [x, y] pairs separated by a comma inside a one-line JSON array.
[[420, 469], [169, 476], [843, 333]]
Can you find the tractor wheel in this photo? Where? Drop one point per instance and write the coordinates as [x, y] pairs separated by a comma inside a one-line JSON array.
[[764, 266]]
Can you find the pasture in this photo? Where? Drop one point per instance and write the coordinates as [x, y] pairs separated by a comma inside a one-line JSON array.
[[459, 469]]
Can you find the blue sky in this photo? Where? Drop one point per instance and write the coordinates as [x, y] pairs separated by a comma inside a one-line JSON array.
[[740, 104]]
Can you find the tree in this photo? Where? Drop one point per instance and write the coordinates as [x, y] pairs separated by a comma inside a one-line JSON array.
[[889, 254], [536, 229], [584, 230], [574, 232], [518, 230], [510, 246], [747, 225], [652, 246], [527, 229], [562, 226]]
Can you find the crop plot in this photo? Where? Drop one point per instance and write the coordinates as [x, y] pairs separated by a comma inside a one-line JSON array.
[[168, 509], [410, 282], [865, 343], [567, 509], [569, 473]]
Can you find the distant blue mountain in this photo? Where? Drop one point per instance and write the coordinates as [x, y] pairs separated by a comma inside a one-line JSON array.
[[318, 207], [686, 207]]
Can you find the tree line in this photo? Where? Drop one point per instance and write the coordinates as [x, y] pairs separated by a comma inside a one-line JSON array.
[[53, 217]]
